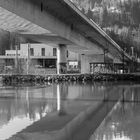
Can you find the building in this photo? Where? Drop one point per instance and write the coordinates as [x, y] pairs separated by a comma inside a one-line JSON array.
[[42, 58]]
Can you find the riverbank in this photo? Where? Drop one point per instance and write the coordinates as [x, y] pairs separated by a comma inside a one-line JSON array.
[[69, 77]]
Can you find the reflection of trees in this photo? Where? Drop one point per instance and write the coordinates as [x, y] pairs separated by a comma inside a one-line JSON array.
[[10, 109], [23, 106]]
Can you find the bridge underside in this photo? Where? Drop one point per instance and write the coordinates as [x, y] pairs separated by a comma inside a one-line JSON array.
[[56, 22], [34, 33], [59, 18]]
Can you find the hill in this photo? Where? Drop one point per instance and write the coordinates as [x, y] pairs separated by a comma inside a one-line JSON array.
[[119, 18]]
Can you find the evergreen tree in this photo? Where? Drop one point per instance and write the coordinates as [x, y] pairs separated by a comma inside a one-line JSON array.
[[104, 17]]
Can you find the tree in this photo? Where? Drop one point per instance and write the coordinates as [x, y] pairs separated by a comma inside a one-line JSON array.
[[105, 17]]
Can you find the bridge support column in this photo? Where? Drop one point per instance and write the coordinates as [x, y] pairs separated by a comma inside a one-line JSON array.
[[62, 59], [85, 64]]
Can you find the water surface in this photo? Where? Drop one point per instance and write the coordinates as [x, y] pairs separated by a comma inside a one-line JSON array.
[[123, 122], [26, 108], [21, 106]]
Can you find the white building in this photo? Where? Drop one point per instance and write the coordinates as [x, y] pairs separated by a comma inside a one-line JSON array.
[[36, 50]]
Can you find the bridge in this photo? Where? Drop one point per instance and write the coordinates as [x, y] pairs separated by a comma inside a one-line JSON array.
[[59, 23]]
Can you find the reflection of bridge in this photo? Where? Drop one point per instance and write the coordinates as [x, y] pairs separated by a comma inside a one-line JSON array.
[[75, 114], [59, 23], [76, 111]]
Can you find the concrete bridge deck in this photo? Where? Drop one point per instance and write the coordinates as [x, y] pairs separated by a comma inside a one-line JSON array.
[[57, 22]]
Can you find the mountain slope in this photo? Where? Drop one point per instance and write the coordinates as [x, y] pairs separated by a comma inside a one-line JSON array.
[[119, 18]]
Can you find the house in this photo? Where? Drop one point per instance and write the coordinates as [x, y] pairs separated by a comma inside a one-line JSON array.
[[42, 58]]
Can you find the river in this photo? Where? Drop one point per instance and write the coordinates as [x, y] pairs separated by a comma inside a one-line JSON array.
[[25, 108]]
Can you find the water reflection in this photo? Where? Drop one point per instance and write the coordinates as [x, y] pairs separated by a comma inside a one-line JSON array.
[[22, 106], [77, 108], [62, 93], [123, 123]]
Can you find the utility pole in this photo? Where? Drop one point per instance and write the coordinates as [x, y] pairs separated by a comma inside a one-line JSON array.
[[123, 60], [28, 58], [132, 65], [16, 55], [105, 63], [124, 50]]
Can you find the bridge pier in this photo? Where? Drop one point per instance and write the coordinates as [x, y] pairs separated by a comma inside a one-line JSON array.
[[62, 59], [85, 64]]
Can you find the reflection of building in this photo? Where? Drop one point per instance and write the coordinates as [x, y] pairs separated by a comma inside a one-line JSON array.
[[26, 105]]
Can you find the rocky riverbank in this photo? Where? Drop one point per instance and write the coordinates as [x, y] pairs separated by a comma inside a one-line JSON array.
[[69, 77]]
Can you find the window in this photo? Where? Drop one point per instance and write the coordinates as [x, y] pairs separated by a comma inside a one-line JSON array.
[[43, 51], [67, 53], [32, 51], [54, 51]]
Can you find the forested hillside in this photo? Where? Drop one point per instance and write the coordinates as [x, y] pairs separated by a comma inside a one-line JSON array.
[[119, 18]]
